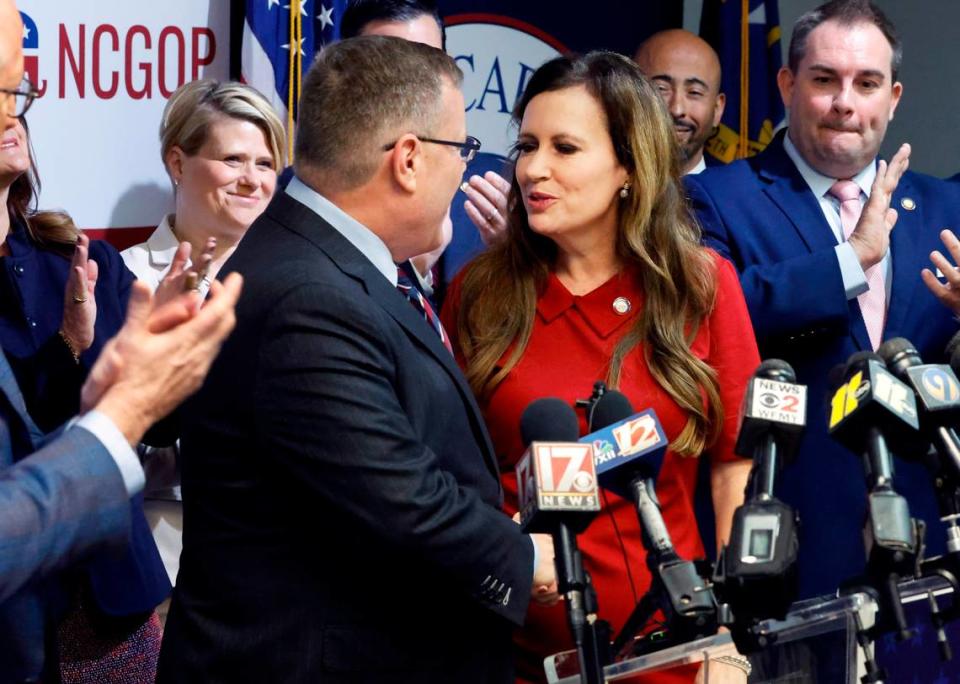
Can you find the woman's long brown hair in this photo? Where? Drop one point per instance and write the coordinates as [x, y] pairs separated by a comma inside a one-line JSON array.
[[53, 230], [656, 233]]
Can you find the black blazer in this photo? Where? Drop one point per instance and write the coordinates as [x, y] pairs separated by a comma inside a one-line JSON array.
[[341, 494]]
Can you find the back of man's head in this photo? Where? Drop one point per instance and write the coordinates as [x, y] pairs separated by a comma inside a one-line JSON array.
[[360, 95], [845, 13], [361, 14]]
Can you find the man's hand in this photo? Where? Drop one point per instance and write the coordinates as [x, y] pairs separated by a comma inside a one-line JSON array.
[[544, 589], [871, 238], [486, 204], [948, 293], [79, 298], [160, 356]]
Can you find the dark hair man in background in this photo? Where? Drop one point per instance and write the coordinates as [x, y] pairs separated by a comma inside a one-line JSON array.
[[686, 72]]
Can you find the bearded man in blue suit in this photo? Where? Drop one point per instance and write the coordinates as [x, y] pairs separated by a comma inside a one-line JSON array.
[[822, 272]]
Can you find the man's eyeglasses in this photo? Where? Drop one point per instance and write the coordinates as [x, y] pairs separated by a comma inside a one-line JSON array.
[[468, 148], [23, 97]]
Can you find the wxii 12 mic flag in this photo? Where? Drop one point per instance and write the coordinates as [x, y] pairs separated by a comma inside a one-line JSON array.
[[746, 36]]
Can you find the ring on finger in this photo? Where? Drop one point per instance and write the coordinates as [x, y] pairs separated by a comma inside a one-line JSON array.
[[489, 217], [79, 299]]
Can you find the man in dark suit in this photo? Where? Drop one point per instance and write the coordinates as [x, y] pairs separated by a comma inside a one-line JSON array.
[[341, 496], [822, 283]]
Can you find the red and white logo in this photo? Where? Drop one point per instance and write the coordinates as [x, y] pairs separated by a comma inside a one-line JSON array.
[[637, 435]]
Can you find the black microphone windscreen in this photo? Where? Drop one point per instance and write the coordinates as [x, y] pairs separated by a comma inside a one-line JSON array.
[[776, 369], [549, 420], [836, 376], [865, 355], [891, 350], [611, 408], [952, 346]]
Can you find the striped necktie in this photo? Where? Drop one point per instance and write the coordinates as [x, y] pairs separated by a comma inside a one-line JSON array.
[[420, 303]]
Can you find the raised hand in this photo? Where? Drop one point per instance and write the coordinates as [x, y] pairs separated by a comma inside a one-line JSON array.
[[79, 299], [948, 292], [181, 278], [160, 356], [486, 204], [871, 238]]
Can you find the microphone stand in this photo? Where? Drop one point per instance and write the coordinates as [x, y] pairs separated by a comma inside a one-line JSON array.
[[677, 589], [574, 585], [893, 548]]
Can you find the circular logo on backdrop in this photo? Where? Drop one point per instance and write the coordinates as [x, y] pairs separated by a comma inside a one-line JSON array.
[[497, 55]]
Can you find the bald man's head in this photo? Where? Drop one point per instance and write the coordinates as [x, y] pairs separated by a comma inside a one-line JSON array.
[[686, 72], [11, 57]]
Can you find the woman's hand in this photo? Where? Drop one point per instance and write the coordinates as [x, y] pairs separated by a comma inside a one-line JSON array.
[[179, 278], [79, 300], [486, 204]]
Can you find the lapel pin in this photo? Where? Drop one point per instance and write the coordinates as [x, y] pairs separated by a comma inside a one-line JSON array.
[[621, 305], [908, 203]]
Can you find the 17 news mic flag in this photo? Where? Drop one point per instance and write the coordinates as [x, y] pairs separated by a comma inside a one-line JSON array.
[[746, 36]]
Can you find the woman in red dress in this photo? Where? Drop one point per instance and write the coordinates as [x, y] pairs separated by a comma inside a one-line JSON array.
[[601, 275]]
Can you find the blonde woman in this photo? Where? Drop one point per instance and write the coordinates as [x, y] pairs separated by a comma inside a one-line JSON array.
[[222, 145]]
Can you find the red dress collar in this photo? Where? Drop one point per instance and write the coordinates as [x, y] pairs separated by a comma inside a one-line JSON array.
[[602, 308]]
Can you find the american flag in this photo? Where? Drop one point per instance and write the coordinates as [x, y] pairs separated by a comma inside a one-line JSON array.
[[280, 38]]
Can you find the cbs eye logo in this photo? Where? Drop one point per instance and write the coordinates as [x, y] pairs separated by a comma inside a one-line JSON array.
[[769, 400], [583, 482]]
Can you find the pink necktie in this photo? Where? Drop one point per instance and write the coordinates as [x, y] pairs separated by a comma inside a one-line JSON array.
[[873, 302]]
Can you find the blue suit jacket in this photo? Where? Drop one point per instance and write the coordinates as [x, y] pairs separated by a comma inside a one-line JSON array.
[[56, 505], [760, 214]]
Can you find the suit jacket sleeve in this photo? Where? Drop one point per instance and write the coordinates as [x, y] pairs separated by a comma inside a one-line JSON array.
[[56, 505], [328, 410], [798, 295]]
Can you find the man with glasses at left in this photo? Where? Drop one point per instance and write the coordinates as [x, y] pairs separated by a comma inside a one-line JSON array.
[[63, 495]]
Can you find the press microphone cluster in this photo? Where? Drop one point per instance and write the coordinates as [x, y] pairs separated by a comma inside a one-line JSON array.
[[871, 413]]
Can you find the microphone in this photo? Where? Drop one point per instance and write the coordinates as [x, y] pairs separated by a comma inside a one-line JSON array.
[[630, 448], [938, 398], [556, 477], [871, 412], [756, 573], [557, 492], [626, 444]]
